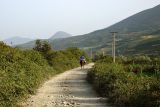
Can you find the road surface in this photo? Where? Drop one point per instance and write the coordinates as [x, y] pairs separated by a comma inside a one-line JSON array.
[[69, 89]]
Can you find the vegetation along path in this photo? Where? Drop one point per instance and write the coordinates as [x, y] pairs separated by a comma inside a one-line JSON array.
[[69, 89]]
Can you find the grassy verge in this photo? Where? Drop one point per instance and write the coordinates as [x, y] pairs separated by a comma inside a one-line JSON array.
[[128, 84]]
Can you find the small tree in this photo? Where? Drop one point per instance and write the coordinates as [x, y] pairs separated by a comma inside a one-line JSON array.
[[42, 46], [46, 47], [38, 45]]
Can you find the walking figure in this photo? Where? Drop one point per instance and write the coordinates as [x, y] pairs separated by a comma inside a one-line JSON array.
[[82, 61]]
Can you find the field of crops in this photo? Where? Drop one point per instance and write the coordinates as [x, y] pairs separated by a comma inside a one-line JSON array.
[[131, 82], [22, 72]]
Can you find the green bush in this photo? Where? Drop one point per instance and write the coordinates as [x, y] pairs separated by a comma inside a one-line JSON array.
[[21, 72], [124, 87]]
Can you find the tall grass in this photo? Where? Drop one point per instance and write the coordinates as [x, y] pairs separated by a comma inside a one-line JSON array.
[[124, 86], [21, 72]]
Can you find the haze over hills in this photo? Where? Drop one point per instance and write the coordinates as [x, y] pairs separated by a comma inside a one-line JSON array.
[[58, 35], [134, 31], [16, 40]]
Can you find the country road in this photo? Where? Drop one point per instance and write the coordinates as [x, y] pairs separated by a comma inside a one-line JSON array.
[[69, 89]]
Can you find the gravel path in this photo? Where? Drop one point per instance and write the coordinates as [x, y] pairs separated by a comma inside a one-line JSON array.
[[69, 89]]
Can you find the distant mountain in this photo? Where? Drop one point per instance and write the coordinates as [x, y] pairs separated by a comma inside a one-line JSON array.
[[16, 41], [60, 34], [138, 32], [56, 36]]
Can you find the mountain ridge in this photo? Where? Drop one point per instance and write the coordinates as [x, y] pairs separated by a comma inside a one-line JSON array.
[[130, 32], [146, 22], [60, 34]]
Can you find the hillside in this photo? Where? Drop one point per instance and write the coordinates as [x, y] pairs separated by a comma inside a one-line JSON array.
[[130, 33]]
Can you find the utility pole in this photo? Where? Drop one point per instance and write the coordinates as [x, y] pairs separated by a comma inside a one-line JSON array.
[[113, 46], [91, 53], [102, 52]]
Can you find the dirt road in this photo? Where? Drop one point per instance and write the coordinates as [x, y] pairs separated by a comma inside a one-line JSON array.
[[69, 89]]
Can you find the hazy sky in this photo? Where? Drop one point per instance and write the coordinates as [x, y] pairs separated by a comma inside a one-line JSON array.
[[42, 18]]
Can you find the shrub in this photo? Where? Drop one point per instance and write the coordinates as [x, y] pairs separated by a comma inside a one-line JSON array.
[[124, 87], [21, 72]]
